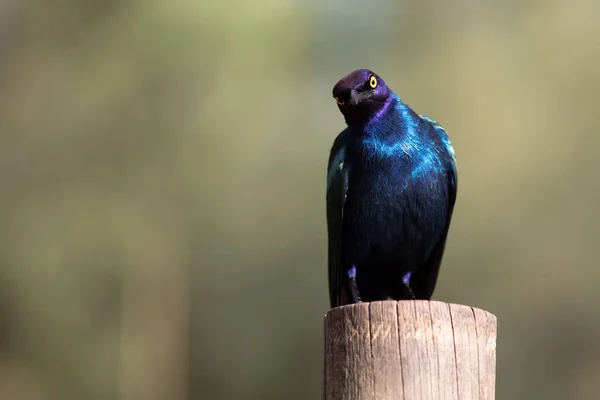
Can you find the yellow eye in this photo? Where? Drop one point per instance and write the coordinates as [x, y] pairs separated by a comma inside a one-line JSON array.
[[373, 81], [339, 101]]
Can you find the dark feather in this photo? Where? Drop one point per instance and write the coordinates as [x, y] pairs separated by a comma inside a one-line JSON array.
[[337, 187]]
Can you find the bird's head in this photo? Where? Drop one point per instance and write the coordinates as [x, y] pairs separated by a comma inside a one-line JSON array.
[[360, 95]]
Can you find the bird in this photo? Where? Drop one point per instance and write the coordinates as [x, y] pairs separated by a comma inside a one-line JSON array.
[[391, 189]]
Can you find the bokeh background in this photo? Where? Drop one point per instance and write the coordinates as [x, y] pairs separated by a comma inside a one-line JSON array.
[[162, 170]]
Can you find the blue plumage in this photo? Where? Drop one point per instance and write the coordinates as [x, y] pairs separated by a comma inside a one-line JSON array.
[[391, 188]]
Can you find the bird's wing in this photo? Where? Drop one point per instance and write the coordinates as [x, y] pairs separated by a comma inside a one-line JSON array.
[[451, 169], [337, 188], [446, 140], [425, 278], [450, 166]]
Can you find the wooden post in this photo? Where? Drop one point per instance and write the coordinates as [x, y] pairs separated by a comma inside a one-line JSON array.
[[409, 350]]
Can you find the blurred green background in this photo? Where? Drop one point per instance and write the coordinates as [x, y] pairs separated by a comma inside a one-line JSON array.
[[163, 164]]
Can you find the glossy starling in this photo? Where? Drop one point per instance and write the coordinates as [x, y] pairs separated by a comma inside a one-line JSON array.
[[391, 188]]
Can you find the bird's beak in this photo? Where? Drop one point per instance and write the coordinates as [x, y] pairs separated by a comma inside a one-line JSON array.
[[355, 96]]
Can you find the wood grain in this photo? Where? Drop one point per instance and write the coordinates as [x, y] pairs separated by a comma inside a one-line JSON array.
[[409, 350]]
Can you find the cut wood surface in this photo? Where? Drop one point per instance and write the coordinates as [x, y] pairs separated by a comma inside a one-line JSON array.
[[409, 350]]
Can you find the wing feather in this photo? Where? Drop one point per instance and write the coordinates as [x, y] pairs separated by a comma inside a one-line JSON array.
[[337, 188], [425, 279]]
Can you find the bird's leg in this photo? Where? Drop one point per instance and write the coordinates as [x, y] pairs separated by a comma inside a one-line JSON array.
[[406, 283], [353, 287]]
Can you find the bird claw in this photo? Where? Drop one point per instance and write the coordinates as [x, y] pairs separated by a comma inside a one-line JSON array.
[[406, 282], [353, 287]]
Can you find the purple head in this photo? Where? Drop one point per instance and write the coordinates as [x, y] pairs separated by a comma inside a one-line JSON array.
[[361, 95]]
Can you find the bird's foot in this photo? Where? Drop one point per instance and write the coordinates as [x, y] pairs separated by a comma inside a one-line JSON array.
[[353, 287], [406, 283]]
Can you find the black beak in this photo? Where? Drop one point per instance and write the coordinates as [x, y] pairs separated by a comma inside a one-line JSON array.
[[355, 96]]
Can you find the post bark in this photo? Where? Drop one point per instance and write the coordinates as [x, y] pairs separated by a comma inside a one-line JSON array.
[[409, 350]]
